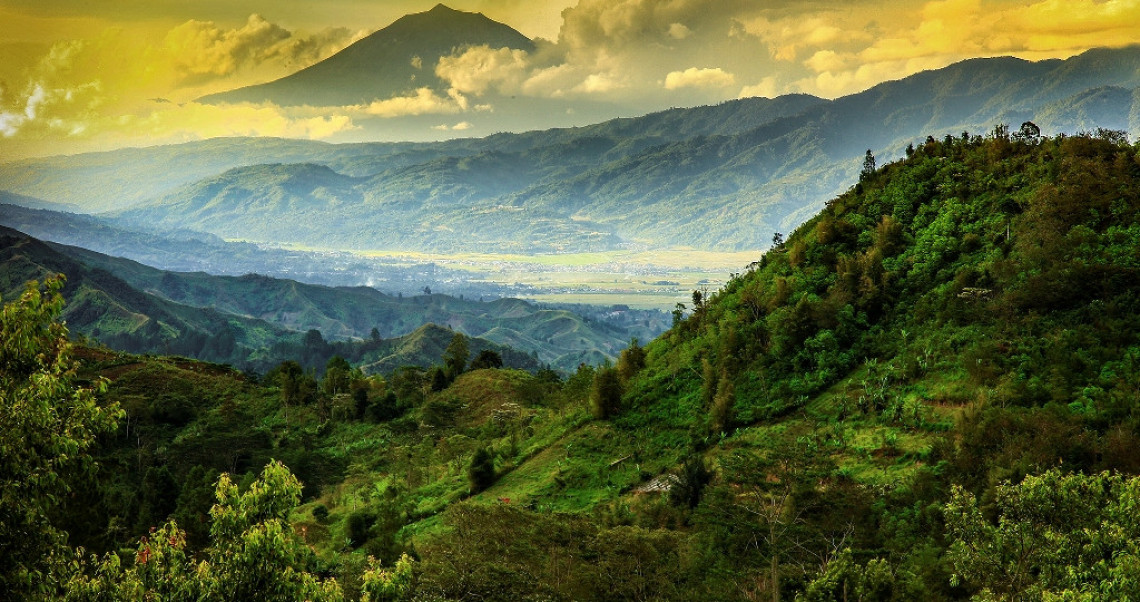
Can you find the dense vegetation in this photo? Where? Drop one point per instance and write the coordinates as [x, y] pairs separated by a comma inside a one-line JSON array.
[[928, 391]]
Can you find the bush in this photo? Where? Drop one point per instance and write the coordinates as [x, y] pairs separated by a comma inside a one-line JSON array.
[[359, 525], [481, 472]]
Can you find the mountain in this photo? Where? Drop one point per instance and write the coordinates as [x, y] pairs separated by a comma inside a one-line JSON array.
[[106, 308], [139, 308], [394, 61], [556, 336], [19, 200], [129, 177], [188, 251], [110, 310], [724, 177], [707, 191]]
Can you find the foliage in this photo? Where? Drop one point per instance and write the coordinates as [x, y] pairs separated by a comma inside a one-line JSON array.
[[47, 427], [695, 475], [1056, 536], [393, 585], [456, 355], [864, 394], [606, 392], [481, 471], [253, 554], [487, 358]]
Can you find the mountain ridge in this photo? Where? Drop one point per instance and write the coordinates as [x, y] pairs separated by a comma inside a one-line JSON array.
[[633, 181], [166, 305]]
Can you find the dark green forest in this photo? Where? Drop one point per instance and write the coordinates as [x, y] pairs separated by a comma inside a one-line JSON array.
[[928, 391]]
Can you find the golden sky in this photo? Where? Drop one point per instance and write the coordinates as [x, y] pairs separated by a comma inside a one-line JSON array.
[[78, 75]]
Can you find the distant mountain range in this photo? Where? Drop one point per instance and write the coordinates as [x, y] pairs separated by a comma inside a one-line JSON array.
[[721, 177], [246, 320]]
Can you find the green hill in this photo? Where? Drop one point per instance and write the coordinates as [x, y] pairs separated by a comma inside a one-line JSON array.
[[210, 320], [105, 307], [558, 337], [912, 398]]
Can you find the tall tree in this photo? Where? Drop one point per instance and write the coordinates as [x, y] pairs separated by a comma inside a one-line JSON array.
[[631, 360], [456, 356], [868, 166], [605, 395], [338, 376]]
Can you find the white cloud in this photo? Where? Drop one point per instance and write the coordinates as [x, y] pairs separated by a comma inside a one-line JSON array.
[[767, 87], [478, 69], [699, 78], [458, 127], [424, 102]]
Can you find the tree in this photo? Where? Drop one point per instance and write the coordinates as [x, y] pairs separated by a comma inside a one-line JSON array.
[[631, 361], [394, 585], [254, 554], [487, 359], [47, 425], [439, 380], [720, 414], [695, 474], [481, 471], [338, 376], [1055, 537], [456, 356], [296, 386], [606, 392], [868, 166], [359, 402]]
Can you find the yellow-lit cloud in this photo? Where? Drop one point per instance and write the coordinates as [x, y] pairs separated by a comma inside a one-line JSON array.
[[845, 55], [109, 87], [202, 48], [424, 102], [477, 69], [699, 78], [99, 71]]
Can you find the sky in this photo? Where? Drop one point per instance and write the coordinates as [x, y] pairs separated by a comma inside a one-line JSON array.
[[77, 75]]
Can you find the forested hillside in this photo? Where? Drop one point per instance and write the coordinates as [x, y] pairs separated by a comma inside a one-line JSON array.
[[927, 392]]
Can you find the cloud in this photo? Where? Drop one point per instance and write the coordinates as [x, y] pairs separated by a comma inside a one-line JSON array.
[[619, 23], [846, 53], [200, 50], [767, 87], [424, 102], [699, 78], [458, 127], [478, 69], [105, 86], [638, 54], [678, 31]]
